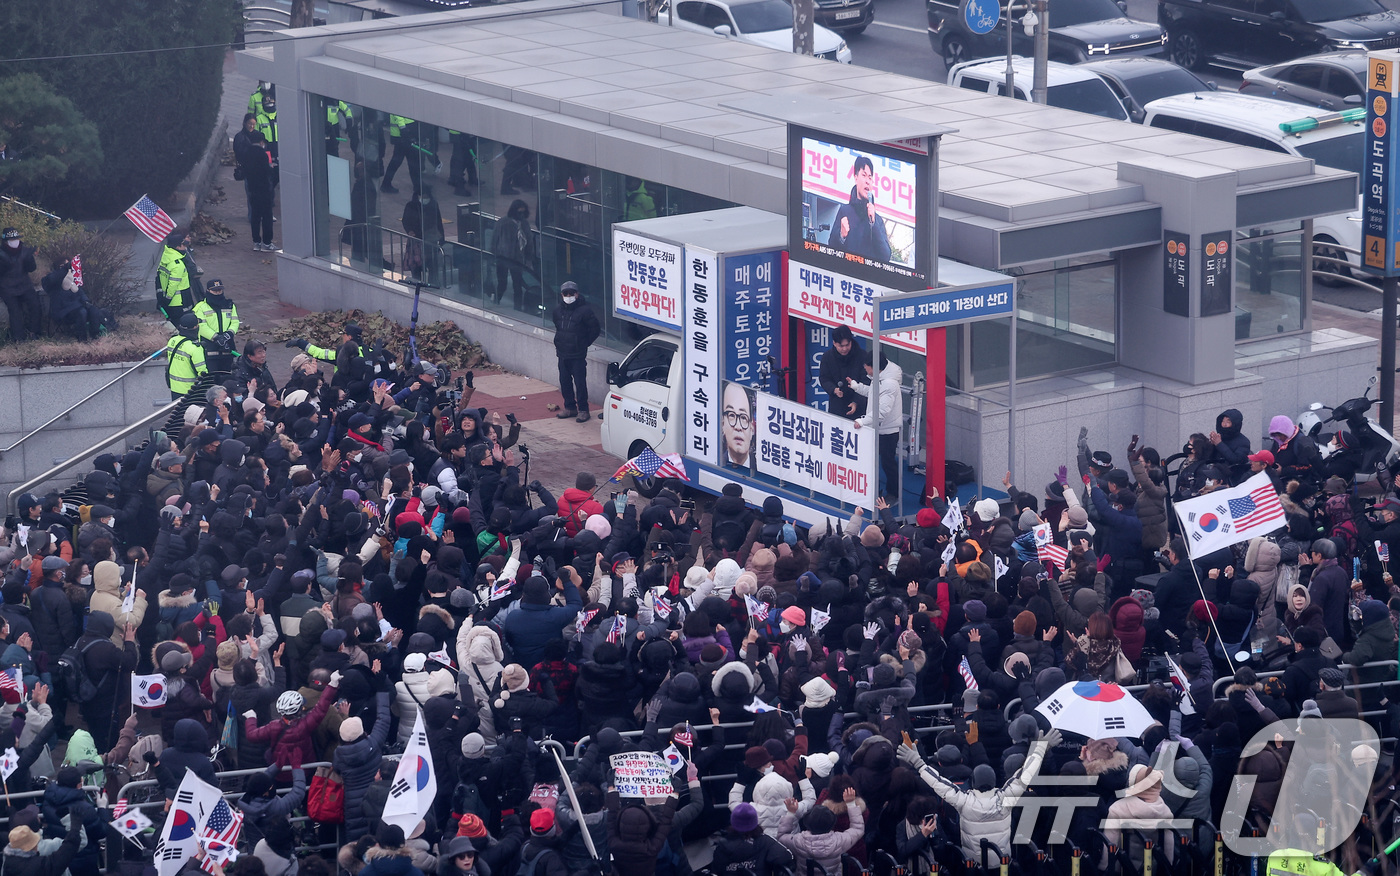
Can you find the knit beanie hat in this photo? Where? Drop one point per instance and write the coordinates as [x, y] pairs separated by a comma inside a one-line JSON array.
[[1027, 521], [818, 692], [473, 745], [986, 510], [227, 653], [795, 616], [871, 536], [822, 764], [927, 518], [910, 639], [1024, 624], [767, 594], [471, 826], [746, 584], [742, 818], [763, 560], [351, 729], [1078, 517], [820, 820], [514, 679], [984, 778], [1201, 610]]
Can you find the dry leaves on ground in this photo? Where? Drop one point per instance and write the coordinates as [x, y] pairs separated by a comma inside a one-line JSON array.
[[440, 342], [138, 337]]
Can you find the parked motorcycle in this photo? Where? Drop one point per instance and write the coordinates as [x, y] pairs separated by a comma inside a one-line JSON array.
[[1360, 452]]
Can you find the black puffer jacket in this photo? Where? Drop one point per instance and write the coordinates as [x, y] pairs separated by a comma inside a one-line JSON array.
[[357, 762], [1233, 450], [575, 329], [188, 753], [15, 267]]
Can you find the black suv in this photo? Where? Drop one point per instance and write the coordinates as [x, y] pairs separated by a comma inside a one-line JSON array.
[[1246, 33], [1080, 30]]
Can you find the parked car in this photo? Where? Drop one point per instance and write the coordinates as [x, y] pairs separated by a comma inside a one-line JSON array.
[[845, 16], [761, 22], [1067, 86], [1241, 34], [1332, 80], [1335, 140], [1139, 81], [1079, 30]]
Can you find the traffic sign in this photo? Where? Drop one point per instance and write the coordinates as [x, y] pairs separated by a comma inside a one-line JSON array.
[[981, 16], [931, 308], [1380, 206]]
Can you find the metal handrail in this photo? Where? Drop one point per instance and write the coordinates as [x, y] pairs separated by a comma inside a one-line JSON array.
[[18, 203], [12, 503], [63, 415]]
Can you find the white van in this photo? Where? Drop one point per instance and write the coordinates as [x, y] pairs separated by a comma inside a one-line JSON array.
[[1332, 139], [643, 406], [1067, 86]]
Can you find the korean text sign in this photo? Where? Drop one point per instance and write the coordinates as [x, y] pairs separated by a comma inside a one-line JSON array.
[[1380, 214], [1176, 276], [859, 209], [641, 774], [646, 279], [957, 304], [701, 342], [752, 289], [814, 450], [821, 296], [1216, 273]]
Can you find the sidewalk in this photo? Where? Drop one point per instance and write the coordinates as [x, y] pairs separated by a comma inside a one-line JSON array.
[[559, 449]]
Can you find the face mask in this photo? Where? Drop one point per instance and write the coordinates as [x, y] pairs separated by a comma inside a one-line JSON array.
[[238, 398], [12, 244], [785, 626], [109, 521], [86, 580], [570, 299]]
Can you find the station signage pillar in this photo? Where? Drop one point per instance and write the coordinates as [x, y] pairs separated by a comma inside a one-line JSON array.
[[1380, 206]]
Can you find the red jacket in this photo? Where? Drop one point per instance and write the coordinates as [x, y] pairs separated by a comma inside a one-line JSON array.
[[289, 742], [575, 506]]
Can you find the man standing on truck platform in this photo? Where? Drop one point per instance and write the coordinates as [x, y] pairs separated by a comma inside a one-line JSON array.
[[844, 359], [575, 329]]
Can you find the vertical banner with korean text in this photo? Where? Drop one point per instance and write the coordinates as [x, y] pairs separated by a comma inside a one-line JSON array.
[[1215, 273], [1380, 214], [750, 312], [814, 450], [645, 279], [700, 341]]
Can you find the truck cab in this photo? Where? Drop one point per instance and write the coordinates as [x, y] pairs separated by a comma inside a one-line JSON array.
[[643, 406]]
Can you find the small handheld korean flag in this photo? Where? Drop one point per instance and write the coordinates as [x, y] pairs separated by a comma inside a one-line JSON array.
[[1179, 679], [129, 824], [660, 606], [1382, 552], [758, 611], [129, 601], [1042, 535], [148, 691], [9, 762], [673, 759], [415, 786], [820, 618], [441, 656], [953, 520], [1001, 568], [758, 706], [949, 552], [583, 618]]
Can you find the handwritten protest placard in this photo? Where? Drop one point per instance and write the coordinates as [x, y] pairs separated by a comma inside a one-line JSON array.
[[641, 774]]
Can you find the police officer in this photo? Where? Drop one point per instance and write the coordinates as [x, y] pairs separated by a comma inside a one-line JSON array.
[[402, 130], [334, 113], [177, 294], [320, 354], [17, 287], [218, 323], [267, 122], [184, 358]]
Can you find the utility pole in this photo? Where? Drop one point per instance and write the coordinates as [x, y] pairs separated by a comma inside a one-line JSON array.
[[1010, 70], [803, 17], [1042, 51], [1388, 305]]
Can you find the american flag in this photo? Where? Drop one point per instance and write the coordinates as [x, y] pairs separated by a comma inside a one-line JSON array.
[[77, 270], [648, 464], [685, 737], [618, 629], [584, 617], [965, 670], [152, 220], [758, 611], [1260, 507], [501, 590], [1053, 553], [9, 680], [118, 808], [660, 606], [222, 826]]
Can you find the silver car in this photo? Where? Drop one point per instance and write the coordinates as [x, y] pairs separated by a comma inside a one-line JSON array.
[[1332, 80]]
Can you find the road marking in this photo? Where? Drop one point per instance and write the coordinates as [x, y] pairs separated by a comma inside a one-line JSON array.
[[920, 30]]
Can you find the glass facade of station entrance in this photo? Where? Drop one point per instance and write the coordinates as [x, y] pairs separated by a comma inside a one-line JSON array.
[[500, 227]]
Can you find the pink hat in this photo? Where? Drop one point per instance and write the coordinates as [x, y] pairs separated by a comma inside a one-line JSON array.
[[795, 616]]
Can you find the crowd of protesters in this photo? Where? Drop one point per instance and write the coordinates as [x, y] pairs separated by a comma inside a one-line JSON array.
[[308, 567]]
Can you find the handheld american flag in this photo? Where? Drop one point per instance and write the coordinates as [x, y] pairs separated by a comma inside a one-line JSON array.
[[501, 590], [965, 670], [618, 629], [150, 219], [583, 618], [758, 611], [686, 737], [649, 464], [220, 835], [9, 680]]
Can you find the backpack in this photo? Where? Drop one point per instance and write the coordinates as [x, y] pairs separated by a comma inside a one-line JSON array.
[[528, 868], [70, 678]]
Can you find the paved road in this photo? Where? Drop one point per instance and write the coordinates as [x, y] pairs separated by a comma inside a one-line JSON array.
[[897, 41]]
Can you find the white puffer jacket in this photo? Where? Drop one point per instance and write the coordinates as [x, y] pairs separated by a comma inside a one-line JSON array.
[[479, 654], [768, 800], [409, 696], [986, 814]]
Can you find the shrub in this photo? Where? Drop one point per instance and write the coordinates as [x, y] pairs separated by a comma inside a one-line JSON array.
[[153, 110], [49, 142], [440, 342]]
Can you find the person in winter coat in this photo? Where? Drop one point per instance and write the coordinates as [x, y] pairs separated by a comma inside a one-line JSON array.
[[577, 503], [21, 856], [1151, 500], [107, 596], [1193, 773], [542, 848], [535, 621], [746, 849], [843, 363], [262, 805], [1375, 642], [51, 611], [389, 856], [818, 841], [1261, 561], [288, 738], [410, 693], [188, 753], [1127, 617], [106, 665], [357, 760], [479, 654], [576, 327], [770, 794], [1328, 587], [636, 834], [1231, 445], [891, 409], [984, 810], [1120, 532], [1176, 591], [1301, 613], [1142, 801]]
